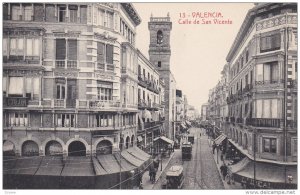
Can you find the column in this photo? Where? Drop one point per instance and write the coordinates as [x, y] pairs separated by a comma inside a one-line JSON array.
[[282, 39], [258, 43]]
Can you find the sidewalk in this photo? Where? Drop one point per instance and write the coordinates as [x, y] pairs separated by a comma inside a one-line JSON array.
[[147, 185], [217, 158]]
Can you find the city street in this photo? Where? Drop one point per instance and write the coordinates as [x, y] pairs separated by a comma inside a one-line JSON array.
[[201, 171]]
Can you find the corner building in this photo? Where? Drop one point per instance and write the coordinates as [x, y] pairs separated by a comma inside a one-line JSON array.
[[262, 96], [70, 84]]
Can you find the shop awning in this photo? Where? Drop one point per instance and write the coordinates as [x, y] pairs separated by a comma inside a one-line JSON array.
[[78, 166], [109, 163], [125, 164], [99, 170], [51, 165], [26, 166], [165, 139], [220, 139], [268, 175], [132, 159], [139, 138]]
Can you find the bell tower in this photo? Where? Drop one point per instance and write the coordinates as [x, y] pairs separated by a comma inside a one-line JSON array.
[[159, 55], [159, 48]]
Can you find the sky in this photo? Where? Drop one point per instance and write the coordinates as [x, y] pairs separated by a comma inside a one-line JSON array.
[[198, 51]]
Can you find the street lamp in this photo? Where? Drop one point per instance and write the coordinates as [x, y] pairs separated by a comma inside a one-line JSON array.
[[161, 151]]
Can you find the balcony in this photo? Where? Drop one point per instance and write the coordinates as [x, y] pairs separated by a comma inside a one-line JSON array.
[[67, 64], [15, 101], [59, 103], [142, 82], [94, 104], [294, 84], [142, 104], [152, 124], [263, 122]]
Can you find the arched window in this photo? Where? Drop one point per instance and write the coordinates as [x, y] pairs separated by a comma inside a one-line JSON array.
[[132, 140], [76, 148], [53, 148], [121, 143], [159, 37], [127, 142], [104, 147], [30, 148], [241, 138]]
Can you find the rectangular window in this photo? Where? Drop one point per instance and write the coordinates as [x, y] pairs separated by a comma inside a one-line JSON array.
[[4, 47], [60, 49], [110, 20], [267, 72], [267, 109], [274, 72], [16, 86], [101, 17], [18, 119], [259, 72], [83, 14], [73, 10], [104, 90], [269, 145], [62, 14], [258, 108], [270, 43], [274, 108], [15, 12], [109, 54], [72, 49], [65, 120], [100, 55], [28, 13]]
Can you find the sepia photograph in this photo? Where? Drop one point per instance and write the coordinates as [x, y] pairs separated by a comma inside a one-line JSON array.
[[150, 96]]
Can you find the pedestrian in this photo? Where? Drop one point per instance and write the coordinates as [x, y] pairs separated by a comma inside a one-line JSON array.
[[214, 147]]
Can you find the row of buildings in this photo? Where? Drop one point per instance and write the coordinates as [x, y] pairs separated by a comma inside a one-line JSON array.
[[75, 85], [254, 105]]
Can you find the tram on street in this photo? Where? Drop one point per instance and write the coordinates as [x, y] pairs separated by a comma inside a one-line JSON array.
[[174, 178], [186, 151], [191, 138]]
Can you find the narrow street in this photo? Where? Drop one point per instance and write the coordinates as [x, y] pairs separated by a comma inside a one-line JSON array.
[[201, 171]]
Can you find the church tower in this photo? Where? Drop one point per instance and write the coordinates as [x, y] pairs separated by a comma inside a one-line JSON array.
[[159, 55]]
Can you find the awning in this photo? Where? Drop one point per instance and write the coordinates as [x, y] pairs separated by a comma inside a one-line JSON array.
[[25, 166], [165, 139], [51, 165], [188, 123], [219, 139], [78, 166], [139, 138], [268, 175], [109, 163]]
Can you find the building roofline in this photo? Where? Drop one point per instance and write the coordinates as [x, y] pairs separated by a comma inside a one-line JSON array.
[[247, 23], [129, 8]]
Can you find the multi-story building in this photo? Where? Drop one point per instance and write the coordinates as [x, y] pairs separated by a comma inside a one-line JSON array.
[[159, 55], [262, 101], [180, 117], [204, 108], [70, 78], [149, 103]]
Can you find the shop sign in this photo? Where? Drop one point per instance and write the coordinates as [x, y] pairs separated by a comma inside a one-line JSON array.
[[258, 183], [16, 102]]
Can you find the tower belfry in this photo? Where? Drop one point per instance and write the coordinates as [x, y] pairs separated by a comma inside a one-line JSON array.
[[159, 55]]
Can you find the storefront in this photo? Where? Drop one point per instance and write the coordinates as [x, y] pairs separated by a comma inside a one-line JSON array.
[[261, 175], [76, 172]]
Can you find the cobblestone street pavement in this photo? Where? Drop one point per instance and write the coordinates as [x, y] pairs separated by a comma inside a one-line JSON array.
[[201, 171]]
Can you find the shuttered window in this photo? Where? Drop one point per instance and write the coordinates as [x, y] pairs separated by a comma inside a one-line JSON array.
[[4, 47], [270, 43], [28, 13], [83, 14], [72, 49], [259, 72], [73, 13], [100, 53], [109, 54], [60, 49], [15, 12], [274, 72]]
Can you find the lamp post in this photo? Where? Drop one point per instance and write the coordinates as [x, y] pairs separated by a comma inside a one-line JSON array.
[[161, 151]]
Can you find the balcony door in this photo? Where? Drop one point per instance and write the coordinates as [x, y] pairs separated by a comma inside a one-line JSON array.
[[71, 93]]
